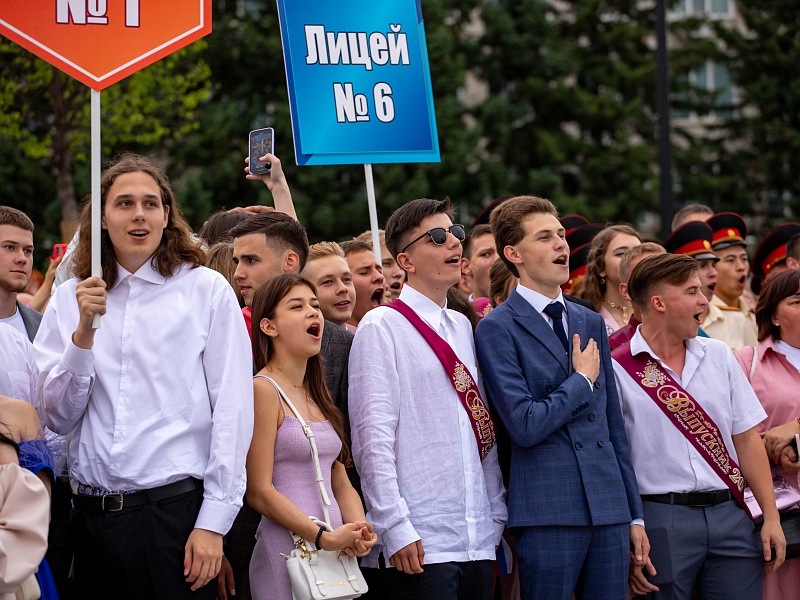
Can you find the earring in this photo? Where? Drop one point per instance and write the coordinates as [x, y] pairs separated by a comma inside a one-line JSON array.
[[776, 324], [602, 281]]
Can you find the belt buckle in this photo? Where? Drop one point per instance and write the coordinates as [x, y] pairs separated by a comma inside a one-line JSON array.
[[111, 508]]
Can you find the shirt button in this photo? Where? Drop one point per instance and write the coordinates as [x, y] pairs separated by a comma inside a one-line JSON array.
[[463, 423], [591, 417], [113, 468], [472, 555], [118, 436], [578, 446], [469, 514], [599, 444]]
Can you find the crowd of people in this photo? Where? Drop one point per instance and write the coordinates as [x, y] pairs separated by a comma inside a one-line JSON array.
[[538, 407]]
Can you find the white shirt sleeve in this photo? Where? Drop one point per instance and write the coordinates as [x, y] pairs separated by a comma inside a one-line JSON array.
[[66, 372], [227, 361], [374, 413]]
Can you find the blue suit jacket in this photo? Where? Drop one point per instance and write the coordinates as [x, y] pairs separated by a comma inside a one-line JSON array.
[[570, 461]]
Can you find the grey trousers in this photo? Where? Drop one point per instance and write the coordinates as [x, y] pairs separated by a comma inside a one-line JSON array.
[[711, 548]]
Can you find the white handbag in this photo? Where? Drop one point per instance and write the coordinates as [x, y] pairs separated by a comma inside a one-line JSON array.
[[320, 574]]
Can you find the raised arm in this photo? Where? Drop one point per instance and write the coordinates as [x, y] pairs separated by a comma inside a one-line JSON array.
[[276, 182]]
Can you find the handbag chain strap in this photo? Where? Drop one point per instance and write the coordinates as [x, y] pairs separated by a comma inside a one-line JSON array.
[[326, 501]]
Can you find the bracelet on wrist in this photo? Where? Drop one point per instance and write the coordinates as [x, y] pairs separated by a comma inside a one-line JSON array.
[[319, 538]]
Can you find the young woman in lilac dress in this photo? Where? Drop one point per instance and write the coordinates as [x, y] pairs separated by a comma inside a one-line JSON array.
[[281, 482]]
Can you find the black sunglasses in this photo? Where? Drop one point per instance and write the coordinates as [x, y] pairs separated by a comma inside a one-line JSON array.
[[439, 235]]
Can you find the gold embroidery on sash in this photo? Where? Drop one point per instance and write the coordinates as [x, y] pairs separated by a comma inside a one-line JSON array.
[[464, 383], [691, 419], [461, 378], [651, 377]]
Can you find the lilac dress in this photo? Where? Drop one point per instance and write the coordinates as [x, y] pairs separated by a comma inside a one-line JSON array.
[[293, 476]]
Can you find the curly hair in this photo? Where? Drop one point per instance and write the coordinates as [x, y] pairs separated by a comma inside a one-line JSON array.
[[591, 287]]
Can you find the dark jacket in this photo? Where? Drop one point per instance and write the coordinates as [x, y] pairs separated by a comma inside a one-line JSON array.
[[30, 318]]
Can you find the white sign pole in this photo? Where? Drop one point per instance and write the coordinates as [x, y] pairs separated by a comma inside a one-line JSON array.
[[96, 202], [373, 213]]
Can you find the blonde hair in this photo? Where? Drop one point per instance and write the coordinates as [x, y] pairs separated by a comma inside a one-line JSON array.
[[367, 237], [323, 249]]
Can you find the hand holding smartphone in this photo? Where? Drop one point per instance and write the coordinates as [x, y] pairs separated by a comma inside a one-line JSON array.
[[59, 250], [261, 142]]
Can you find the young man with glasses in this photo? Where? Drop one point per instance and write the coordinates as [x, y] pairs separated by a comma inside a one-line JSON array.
[[429, 471]]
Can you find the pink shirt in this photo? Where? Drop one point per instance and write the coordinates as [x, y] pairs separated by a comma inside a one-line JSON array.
[[775, 382], [611, 323]]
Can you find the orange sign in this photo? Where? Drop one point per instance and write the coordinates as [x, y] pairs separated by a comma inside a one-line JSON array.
[[99, 42]]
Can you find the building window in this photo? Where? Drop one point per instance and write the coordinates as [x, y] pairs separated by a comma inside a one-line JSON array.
[[703, 7], [711, 76]]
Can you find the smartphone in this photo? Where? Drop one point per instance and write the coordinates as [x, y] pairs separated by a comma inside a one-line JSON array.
[[262, 141], [796, 446], [59, 250]]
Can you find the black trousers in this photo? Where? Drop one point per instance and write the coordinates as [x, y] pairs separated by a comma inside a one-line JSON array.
[[451, 581], [136, 553], [59, 544]]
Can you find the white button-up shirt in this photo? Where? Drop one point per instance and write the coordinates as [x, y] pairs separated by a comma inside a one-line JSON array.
[[663, 459], [165, 392], [413, 443], [17, 367]]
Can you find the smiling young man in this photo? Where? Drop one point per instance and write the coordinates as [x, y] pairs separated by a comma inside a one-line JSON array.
[[432, 484], [158, 401], [729, 319], [690, 416], [572, 491], [367, 278], [328, 270], [16, 262]]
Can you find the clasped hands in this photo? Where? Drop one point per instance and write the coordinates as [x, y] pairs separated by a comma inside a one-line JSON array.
[[354, 539]]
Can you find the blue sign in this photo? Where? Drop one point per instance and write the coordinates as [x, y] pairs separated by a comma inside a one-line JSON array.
[[359, 82]]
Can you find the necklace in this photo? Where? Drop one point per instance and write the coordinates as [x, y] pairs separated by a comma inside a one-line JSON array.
[[287, 377], [624, 309]]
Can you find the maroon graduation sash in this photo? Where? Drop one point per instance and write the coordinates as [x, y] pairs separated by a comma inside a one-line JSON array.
[[479, 416], [686, 414]]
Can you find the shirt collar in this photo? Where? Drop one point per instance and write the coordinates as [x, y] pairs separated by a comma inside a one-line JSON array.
[[426, 308], [694, 346], [741, 305], [537, 300], [145, 272], [767, 344]]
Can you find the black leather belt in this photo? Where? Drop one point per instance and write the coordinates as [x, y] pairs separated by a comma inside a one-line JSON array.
[[692, 498], [116, 502]]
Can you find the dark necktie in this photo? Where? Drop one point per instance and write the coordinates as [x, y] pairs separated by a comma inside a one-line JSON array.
[[554, 310]]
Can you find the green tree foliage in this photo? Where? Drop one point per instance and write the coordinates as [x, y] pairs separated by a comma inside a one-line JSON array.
[[532, 96], [45, 121], [570, 113], [765, 121]]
